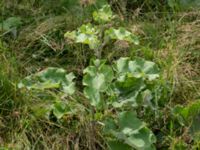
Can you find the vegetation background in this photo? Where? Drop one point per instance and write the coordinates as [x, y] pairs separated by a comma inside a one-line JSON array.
[[32, 39]]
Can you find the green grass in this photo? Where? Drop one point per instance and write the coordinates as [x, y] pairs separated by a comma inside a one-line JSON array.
[[171, 39]]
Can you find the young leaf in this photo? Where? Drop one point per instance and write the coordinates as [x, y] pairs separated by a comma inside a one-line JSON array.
[[86, 34], [59, 110], [103, 15]]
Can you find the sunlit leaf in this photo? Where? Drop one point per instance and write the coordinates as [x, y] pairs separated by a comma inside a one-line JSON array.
[[50, 78], [103, 15], [140, 67], [86, 34], [121, 34]]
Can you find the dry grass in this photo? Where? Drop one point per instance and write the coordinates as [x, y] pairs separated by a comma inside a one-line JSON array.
[[188, 45], [182, 56]]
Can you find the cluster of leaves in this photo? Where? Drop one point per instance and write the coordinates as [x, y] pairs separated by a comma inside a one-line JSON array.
[[113, 92], [52, 78], [97, 36], [117, 87], [121, 88], [103, 15], [130, 77], [86, 34]]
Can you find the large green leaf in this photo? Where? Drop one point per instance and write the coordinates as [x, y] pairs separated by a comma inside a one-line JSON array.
[[97, 79], [132, 132], [129, 120], [93, 95], [121, 34], [130, 82], [127, 90], [139, 68], [143, 140], [136, 134], [50, 78], [96, 82], [122, 65]]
